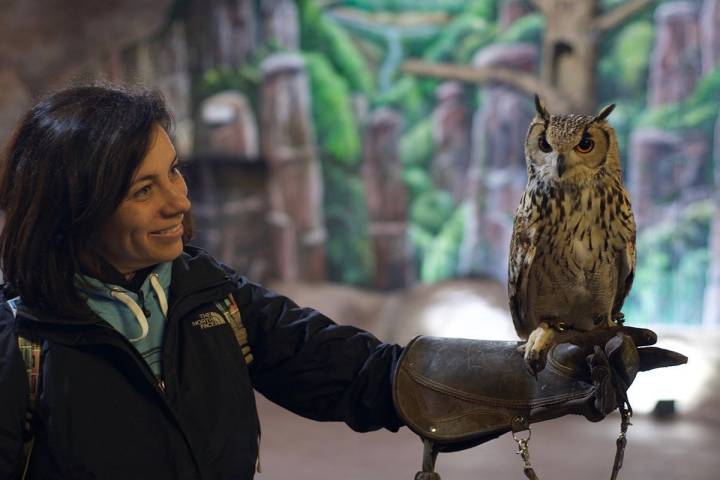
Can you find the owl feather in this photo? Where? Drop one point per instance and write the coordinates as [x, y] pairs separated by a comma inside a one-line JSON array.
[[572, 252]]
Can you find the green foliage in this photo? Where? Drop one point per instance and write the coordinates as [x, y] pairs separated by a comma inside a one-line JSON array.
[[335, 125], [404, 95], [699, 111], [608, 4], [418, 181], [670, 277], [349, 252], [525, 29], [349, 255], [632, 53], [431, 210], [416, 146], [449, 6], [483, 9], [320, 34], [462, 37], [440, 259], [415, 46], [624, 69]]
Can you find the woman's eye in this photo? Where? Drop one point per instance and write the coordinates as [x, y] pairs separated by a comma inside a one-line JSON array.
[[143, 192], [543, 144], [585, 146]]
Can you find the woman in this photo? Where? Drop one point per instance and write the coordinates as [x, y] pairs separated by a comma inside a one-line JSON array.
[[151, 348]]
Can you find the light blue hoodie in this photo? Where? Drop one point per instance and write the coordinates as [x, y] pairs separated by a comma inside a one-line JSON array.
[[140, 316]]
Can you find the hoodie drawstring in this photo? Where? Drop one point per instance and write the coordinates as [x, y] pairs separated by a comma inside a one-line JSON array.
[[137, 311], [160, 292]]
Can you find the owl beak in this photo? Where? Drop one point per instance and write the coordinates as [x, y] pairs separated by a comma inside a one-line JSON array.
[[561, 165]]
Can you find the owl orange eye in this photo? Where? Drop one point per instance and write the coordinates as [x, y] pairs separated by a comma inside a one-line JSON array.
[[543, 144], [585, 146]]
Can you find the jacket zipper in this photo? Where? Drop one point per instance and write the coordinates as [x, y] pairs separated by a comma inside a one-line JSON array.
[[159, 383]]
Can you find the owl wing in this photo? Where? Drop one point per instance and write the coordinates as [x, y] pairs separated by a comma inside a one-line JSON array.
[[626, 262], [522, 255]]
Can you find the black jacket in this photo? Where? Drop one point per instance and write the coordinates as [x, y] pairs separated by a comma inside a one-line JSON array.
[[102, 414]]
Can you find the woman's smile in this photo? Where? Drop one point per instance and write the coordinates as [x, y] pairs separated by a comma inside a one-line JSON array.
[[170, 232]]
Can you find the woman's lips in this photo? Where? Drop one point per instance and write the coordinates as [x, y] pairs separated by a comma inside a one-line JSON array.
[[171, 232]]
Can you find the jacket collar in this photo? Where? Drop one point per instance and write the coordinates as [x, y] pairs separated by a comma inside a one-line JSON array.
[[194, 270]]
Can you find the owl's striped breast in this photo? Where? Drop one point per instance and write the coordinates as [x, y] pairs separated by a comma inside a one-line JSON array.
[[592, 223], [579, 236]]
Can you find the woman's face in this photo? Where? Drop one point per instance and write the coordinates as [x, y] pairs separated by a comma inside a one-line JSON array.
[[146, 228]]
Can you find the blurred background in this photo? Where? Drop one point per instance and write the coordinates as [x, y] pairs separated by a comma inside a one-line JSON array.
[[366, 158]]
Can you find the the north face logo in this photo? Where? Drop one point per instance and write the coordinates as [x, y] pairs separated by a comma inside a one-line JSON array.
[[208, 320]]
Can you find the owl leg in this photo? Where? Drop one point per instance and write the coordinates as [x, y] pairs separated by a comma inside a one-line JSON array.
[[537, 346]]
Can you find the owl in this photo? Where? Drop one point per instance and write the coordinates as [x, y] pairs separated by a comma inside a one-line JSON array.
[[572, 252]]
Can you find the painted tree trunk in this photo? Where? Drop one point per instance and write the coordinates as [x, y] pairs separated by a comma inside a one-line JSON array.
[[675, 62], [280, 24], [497, 175], [569, 52], [387, 200], [451, 137], [224, 33], [710, 35], [655, 154], [227, 127], [295, 184]]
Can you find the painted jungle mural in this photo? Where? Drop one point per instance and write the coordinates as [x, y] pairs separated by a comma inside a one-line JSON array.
[[379, 143]]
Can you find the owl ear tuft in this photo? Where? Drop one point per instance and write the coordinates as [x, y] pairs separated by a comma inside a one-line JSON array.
[[604, 113], [541, 108]]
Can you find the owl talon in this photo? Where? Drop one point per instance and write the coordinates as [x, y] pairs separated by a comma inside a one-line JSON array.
[[535, 362], [536, 347]]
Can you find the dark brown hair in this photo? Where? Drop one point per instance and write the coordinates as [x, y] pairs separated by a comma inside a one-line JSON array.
[[67, 168]]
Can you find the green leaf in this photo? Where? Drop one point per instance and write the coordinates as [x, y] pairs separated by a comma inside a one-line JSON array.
[[525, 29], [335, 125], [320, 34]]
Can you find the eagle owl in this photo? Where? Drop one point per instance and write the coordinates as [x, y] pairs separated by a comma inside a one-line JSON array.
[[572, 252]]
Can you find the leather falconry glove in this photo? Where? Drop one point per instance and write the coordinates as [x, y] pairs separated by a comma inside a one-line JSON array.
[[458, 393]]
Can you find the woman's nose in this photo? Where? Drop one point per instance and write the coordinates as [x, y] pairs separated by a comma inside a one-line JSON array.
[[177, 200]]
